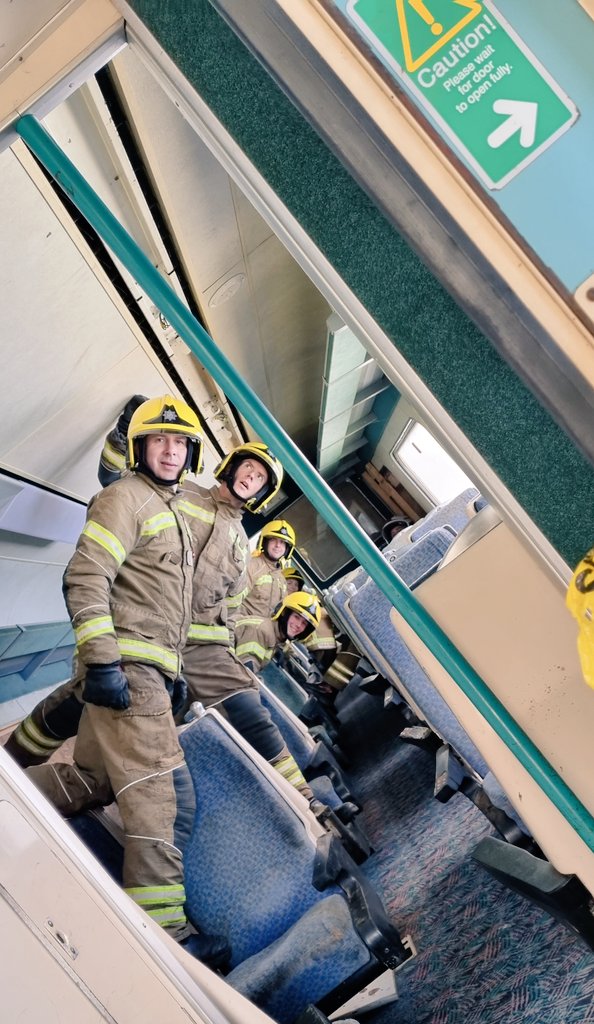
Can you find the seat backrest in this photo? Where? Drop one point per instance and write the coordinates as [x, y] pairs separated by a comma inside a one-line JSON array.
[[417, 561], [454, 513], [384, 646], [284, 686], [294, 732], [302, 746], [249, 862]]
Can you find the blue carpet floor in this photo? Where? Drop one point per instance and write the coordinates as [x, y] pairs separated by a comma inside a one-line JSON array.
[[485, 955]]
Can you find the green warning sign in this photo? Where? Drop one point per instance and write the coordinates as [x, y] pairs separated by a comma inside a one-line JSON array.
[[466, 65]]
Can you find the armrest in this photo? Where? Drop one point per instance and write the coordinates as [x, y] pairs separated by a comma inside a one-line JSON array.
[[333, 866]]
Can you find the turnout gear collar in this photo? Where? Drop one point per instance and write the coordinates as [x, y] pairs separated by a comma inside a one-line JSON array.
[[304, 604], [165, 415], [227, 468], [279, 529]]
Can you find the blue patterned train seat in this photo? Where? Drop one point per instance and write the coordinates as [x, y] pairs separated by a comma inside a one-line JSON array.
[[454, 513], [370, 609], [313, 757], [323, 774], [337, 594], [284, 686], [255, 871]]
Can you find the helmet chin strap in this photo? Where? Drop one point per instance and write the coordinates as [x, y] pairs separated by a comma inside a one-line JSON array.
[[230, 483]]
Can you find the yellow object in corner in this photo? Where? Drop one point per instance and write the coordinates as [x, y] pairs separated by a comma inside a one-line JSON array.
[[580, 601]]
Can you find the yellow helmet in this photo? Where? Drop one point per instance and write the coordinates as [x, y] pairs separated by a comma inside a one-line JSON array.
[[166, 415], [304, 604], [227, 468], [291, 573], [281, 530], [580, 601]]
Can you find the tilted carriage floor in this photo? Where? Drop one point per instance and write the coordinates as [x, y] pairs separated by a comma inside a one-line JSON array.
[[485, 954]]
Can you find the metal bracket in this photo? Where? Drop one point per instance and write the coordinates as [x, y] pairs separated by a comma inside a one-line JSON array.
[[62, 939]]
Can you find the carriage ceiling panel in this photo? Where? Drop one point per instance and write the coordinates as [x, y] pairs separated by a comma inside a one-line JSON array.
[[67, 348], [272, 327], [76, 354]]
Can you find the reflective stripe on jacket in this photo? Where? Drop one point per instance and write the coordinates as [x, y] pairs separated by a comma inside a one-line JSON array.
[[266, 587], [220, 554], [113, 458], [128, 585], [323, 638]]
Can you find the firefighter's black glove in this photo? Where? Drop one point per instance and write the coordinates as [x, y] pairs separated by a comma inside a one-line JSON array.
[[107, 686], [127, 412], [178, 691]]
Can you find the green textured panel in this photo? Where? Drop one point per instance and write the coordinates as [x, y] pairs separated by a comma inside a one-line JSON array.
[[517, 437]]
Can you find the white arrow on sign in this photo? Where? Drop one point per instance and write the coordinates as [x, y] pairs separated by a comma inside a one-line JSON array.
[[521, 118]]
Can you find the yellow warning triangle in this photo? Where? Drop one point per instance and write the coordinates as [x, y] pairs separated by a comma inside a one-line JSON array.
[[423, 27]]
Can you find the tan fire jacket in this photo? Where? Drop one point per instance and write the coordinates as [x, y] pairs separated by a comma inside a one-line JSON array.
[[323, 638], [266, 587], [256, 639], [128, 586], [220, 555]]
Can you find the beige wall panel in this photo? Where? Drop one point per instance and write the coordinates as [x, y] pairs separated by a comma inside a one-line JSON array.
[[120, 959], [509, 620]]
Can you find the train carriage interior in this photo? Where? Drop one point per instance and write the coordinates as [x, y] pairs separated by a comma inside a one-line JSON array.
[[243, 209]]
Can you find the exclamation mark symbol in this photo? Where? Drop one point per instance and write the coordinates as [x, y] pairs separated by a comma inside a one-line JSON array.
[[421, 10]]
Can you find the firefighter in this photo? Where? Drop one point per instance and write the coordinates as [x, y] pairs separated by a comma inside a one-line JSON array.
[[128, 590], [296, 618], [249, 477], [322, 641], [55, 719], [392, 528], [323, 645], [266, 583], [294, 580]]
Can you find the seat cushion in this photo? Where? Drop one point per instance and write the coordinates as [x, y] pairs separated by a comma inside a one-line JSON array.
[[249, 861], [304, 964]]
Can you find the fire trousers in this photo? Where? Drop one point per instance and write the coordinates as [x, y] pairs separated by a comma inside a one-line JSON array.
[[134, 756], [55, 719]]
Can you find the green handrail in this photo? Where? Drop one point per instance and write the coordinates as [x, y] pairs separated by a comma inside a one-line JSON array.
[[312, 485]]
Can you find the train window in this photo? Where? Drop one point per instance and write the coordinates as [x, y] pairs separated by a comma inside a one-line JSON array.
[[428, 464], [317, 544]]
